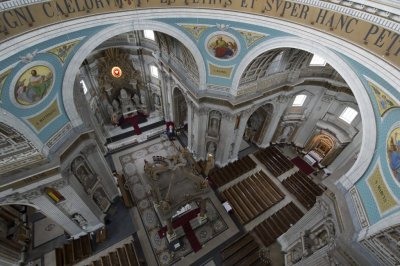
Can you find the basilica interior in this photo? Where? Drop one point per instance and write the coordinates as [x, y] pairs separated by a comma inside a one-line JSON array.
[[175, 140]]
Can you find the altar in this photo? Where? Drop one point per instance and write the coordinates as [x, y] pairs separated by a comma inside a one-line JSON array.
[[309, 159], [312, 157]]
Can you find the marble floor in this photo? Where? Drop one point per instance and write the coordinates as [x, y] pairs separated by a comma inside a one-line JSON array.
[[143, 222], [211, 234], [213, 237]]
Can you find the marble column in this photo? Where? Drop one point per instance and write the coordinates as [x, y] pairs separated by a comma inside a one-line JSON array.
[[209, 164], [199, 125], [157, 195], [100, 166], [202, 215], [274, 124], [165, 94], [227, 139], [171, 235], [75, 204], [239, 132], [190, 116]]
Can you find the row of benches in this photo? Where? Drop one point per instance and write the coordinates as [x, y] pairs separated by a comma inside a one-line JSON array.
[[277, 224], [231, 171], [121, 256], [253, 196], [274, 160], [244, 251], [303, 188], [74, 251]]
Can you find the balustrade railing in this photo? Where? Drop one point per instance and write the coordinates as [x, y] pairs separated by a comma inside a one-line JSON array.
[[11, 4]]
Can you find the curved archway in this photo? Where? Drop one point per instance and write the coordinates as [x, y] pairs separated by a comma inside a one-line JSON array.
[[97, 39], [350, 77], [257, 124], [10, 120], [179, 107]]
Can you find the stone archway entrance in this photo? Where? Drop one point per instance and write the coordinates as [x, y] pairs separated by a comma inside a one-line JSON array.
[[257, 124], [179, 108]]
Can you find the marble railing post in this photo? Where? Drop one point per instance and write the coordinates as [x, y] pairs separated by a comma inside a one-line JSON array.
[[171, 235], [202, 214]]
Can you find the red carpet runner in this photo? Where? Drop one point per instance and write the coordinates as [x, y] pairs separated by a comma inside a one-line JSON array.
[[303, 165], [184, 221], [133, 120], [194, 242]]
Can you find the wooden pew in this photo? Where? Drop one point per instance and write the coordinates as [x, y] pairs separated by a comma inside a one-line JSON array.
[[249, 192], [68, 254], [132, 257], [105, 261], [252, 247], [238, 211], [59, 256], [123, 257], [260, 191], [272, 188], [253, 260], [96, 263], [269, 190], [86, 245], [77, 250], [256, 192], [114, 258], [236, 246], [126, 195], [246, 201]]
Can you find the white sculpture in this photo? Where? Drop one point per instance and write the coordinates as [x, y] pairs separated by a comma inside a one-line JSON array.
[[136, 99], [80, 220], [126, 103]]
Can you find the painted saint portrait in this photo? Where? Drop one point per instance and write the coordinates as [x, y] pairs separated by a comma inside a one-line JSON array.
[[393, 150], [33, 85], [222, 46], [83, 173]]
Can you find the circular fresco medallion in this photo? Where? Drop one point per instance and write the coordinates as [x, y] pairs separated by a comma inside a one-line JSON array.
[[222, 46], [393, 151], [116, 72], [33, 85]]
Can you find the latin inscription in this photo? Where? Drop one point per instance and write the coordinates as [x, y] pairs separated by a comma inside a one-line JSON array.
[[381, 193], [218, 71], [378, 40], [44, 118]]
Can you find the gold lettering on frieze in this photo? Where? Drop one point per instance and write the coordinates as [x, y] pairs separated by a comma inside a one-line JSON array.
[[382, 195], [220, 71], [377, 39], [42, 119]]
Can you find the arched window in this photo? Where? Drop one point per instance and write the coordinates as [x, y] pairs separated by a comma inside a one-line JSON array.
[[317, 61], [348, 115], [154, 71], [275, 64], [149, 34], [85, 89], [299, 100]]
